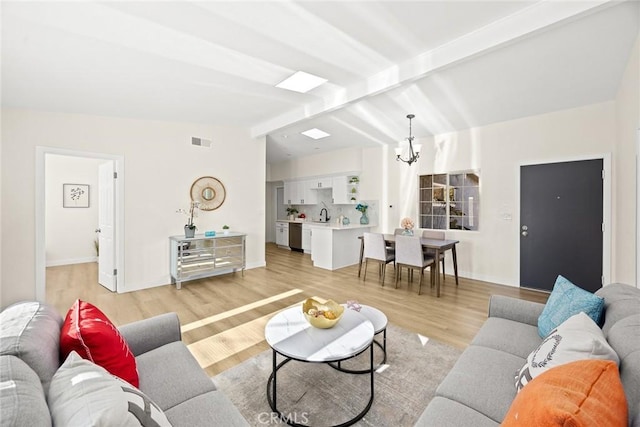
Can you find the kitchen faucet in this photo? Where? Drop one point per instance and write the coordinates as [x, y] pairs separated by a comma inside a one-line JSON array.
[[326, 215]]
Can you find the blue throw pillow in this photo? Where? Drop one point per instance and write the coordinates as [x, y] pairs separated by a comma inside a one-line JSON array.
[[565, 300]]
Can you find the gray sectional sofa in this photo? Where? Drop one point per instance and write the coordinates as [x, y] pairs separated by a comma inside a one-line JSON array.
[[480, 388], [169, 375]]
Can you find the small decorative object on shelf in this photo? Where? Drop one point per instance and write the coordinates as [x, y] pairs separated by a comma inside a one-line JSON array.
[[407, 224], [362, 207], [225, 229]]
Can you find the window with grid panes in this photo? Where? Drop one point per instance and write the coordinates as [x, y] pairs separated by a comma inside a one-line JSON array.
[[450, 201]]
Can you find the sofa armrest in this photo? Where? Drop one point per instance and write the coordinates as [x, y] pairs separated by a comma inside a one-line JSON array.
[[148, 334], [515, 309]]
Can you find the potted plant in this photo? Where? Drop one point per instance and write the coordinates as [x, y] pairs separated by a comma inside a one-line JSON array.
[[190, 227], [225, 229], [291, 211], [362, 208]]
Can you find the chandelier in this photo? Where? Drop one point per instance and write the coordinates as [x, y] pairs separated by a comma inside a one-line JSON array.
[[414, 151]]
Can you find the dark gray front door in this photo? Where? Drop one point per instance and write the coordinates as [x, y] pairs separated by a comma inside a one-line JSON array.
[[561, 207]]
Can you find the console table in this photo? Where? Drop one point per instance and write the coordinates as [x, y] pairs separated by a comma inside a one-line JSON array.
[[200, 256]]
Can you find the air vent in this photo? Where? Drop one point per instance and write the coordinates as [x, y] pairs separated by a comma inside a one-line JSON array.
[[201, 142]]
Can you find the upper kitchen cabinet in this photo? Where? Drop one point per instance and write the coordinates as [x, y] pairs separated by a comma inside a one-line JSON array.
[[319, 183], [346, 189], [300, 193], [310, 192]]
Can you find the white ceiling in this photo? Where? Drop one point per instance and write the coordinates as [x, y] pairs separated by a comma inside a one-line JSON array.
[[454, 64]]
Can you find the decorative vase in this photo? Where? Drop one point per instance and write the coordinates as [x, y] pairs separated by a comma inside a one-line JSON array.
[[364, 219], [407, 232], [189, 231]]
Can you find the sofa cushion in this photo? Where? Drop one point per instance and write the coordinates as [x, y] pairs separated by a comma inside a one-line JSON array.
[[624, 337], [83, 393], [582, 393], [31, 332], [21, 395], [170, 375], [88, 332], [482, 379], [210, 409], [567, 299], [620, 301], [523, 338], [443, 412], [576, 338]]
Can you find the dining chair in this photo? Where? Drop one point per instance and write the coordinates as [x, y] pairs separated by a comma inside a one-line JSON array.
[[436, 235], [409, 254], [375, 249]]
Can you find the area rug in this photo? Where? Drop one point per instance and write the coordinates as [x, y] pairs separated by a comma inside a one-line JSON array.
[[318, 395]]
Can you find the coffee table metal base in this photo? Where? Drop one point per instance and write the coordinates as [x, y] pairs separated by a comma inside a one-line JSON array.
[[272, 389]]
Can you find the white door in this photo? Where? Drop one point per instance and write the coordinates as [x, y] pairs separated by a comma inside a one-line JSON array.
[[106, 225]]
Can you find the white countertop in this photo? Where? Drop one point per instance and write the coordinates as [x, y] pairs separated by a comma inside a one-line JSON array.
[[331, 225]]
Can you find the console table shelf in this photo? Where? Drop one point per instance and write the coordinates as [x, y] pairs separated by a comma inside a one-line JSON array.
[[200, 256]]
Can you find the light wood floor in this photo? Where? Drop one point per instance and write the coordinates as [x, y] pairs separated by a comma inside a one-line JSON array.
[[223, 317]]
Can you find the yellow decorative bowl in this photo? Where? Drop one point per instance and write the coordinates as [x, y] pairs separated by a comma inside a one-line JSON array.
[[323, 315]]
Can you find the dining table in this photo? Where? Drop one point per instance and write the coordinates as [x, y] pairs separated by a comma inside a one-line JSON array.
[[438, 245]]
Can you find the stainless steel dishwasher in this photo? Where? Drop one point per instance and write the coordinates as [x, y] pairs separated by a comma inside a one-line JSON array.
[[295, 236]]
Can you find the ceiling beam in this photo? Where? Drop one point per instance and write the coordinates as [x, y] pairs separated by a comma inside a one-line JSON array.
[[535, 18]]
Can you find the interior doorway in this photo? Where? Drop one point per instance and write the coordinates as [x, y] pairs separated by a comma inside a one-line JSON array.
[[117, 162]]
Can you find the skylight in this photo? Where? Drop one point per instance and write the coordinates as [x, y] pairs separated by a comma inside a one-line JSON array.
[[315, 133], [301, 82]]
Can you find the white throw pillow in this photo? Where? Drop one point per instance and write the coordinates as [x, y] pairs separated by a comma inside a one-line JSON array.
[[85, 394], [577, 338]]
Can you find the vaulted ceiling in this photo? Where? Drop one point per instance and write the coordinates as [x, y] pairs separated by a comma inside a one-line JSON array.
[[454, 64]]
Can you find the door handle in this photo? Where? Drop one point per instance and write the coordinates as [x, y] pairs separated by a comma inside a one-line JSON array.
[[525, 233], [98, 230], [525, 230]]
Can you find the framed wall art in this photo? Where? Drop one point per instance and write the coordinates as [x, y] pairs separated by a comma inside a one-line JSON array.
[[75, 195]]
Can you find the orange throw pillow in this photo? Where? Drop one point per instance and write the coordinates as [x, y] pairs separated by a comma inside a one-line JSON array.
[[582, 393], [87, 331]]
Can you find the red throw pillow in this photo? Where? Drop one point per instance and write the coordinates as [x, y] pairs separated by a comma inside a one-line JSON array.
[[88, 332], [586, 393]]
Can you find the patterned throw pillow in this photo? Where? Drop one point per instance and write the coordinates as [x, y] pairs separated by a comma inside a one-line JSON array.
[[85, 394], [88, 332], [577, 338], [567, 299]]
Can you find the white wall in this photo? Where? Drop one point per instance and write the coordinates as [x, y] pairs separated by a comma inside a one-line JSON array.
[[70, 232], [626, 253], [160, 164], [498, 151]]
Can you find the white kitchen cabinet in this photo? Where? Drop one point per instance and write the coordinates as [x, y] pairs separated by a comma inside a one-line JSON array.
[[322, 182], [310, 193], [300, 193], [282, 234], [306, 238], [346, 189], [291, 192]]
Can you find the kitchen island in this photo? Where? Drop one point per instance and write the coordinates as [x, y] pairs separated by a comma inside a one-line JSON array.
[[335, 246]]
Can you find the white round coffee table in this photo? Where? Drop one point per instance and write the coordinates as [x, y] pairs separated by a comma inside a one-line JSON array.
[[379, 321], [290, 335]]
